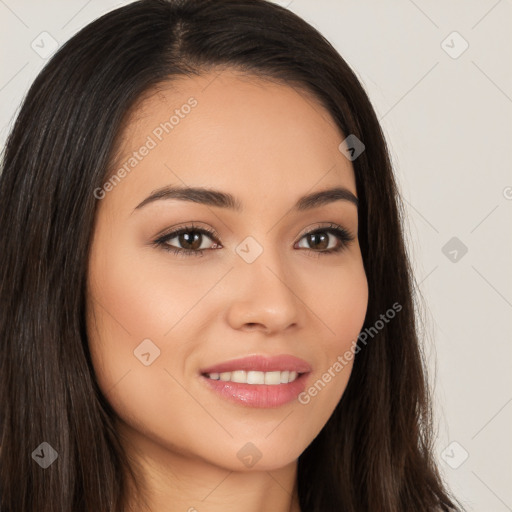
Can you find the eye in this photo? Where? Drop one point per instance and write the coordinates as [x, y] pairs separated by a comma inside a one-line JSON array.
[[191, 237], [193, 240], [324, 238]]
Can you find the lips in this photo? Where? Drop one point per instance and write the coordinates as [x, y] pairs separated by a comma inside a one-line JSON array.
[[258, 381]]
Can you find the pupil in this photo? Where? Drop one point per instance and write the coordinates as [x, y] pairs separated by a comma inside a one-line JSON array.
[[186, 238], [324, 242]]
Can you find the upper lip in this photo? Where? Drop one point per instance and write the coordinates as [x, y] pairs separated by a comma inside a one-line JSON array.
[[261, 363]]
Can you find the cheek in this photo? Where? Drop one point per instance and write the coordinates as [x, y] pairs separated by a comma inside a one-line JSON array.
[[138, 303], [127, 306], [136, 295], [131, 308], [341, 310], [343, 305]]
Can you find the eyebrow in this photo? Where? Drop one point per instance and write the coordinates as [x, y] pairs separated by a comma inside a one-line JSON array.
[[212, 197]]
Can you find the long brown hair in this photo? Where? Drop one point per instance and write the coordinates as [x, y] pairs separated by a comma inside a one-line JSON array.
[[375, 452]]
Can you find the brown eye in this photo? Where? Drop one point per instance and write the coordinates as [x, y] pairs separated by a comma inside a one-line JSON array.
[[323, 240], [189, 240], [318, 240]]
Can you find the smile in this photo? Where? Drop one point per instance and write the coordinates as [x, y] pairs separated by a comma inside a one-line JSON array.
[[255, 377]]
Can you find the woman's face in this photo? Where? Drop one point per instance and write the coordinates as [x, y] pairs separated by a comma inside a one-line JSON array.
[[159, 320]]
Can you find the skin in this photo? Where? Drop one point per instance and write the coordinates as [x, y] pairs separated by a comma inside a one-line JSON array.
[[267, 144]]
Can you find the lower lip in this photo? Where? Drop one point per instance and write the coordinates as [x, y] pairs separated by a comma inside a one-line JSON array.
[[262, 396]]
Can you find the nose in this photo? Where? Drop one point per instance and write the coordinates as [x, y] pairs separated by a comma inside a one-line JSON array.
[[264, 296]]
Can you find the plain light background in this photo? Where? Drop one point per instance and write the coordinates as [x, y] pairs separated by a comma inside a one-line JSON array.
[[438, 74]]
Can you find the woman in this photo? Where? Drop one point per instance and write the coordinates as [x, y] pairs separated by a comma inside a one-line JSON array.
[[281, 371]]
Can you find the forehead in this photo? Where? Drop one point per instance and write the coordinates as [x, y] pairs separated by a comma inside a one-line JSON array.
[[233, 132]]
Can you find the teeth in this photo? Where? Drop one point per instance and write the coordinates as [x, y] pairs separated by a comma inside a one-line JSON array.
[[255, 378], [243, 377], [273, 378], [238, 376]]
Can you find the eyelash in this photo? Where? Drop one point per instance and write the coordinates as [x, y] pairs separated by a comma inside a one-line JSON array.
[[341, 233]]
